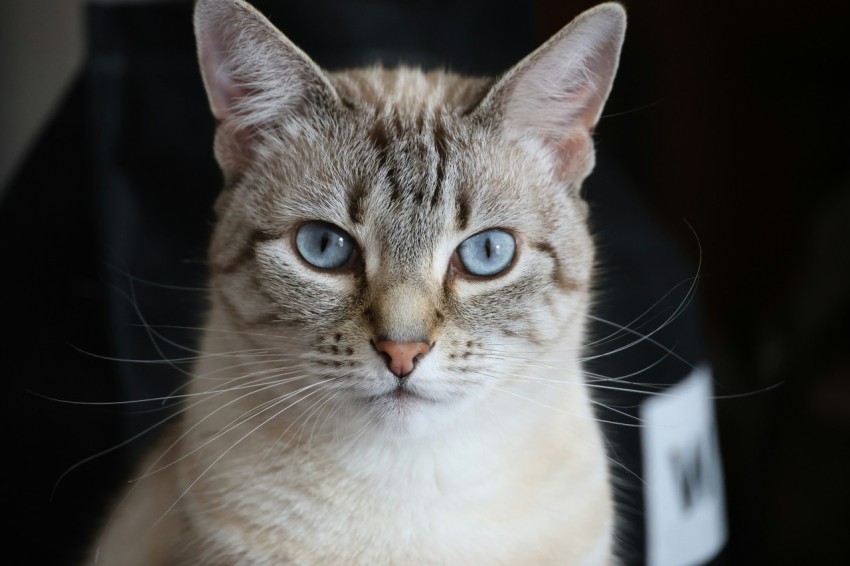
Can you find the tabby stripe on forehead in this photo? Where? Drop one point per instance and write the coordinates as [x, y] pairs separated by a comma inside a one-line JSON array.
[[380, 140], [378, 137], [392, 176], [355, 201], [462, 211], [442, 154], [565, 284]]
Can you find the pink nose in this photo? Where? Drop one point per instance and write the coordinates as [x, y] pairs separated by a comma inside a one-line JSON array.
[[402, 356]]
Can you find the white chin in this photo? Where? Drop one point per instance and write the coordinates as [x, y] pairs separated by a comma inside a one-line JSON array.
[[407, 413]]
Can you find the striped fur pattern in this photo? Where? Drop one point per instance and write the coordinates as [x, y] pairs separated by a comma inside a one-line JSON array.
[[297, 445]]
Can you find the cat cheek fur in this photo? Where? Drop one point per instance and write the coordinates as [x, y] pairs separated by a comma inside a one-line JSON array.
[[297, 443]]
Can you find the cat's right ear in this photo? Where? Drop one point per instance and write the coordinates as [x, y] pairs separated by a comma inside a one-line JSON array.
[[254, 76], [551, 101]]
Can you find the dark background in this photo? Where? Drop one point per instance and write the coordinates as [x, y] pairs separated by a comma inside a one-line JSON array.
[[729, 119]]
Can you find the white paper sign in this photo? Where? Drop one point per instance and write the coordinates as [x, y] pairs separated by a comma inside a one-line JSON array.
[[683, 494]]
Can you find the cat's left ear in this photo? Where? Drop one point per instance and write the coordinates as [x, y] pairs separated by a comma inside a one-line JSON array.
[[551, 101], [254, 76]]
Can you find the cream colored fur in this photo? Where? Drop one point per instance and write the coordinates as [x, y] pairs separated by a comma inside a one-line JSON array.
[[292, 447]]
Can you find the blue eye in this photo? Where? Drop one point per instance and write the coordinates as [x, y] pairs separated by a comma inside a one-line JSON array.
[[324, 245], [487, 253]]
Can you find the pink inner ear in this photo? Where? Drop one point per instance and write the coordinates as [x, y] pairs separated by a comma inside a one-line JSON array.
[[224, 93], [586, 104], [233, 145], [575, 155], [225, 96]]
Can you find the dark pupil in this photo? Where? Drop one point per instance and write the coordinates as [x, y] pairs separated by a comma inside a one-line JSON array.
[[323, 244], [488, 248]]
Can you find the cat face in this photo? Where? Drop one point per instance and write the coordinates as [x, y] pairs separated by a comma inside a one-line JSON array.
[[411, 240]]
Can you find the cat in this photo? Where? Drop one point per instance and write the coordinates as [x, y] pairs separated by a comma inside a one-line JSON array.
[[400, 277]]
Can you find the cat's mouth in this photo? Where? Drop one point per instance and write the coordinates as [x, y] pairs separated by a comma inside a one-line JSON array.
[[400, 394]]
